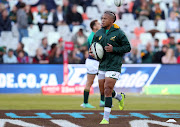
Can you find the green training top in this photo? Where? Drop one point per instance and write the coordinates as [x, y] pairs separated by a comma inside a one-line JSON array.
[[90, 38]]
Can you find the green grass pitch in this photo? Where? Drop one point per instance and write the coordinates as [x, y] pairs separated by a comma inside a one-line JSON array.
[[59, 102]]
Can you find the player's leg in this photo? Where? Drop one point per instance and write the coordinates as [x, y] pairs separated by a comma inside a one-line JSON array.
[[92, 70], [101, 89], [101, 80], [120, 98], [110, 79], [108, 89], [90, 79]]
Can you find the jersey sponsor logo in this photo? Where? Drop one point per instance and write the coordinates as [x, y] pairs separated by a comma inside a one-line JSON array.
[[100, 37], [113, 74], [113, 38]]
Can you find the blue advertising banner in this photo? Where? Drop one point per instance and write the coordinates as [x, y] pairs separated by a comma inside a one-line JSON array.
[[168, 74], [30, 78]]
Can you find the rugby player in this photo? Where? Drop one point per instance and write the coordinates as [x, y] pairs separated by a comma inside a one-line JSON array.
[[115, 44]]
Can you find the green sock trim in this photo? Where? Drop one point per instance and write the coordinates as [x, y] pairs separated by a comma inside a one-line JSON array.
[[108, 102], [86, 96], [113, 93], [86, 90], [102, 97]]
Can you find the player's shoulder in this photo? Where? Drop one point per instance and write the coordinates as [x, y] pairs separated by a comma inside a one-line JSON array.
[[100, 31], [121, 32]]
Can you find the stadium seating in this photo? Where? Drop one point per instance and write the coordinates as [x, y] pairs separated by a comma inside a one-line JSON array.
[[161, 37], [87, 24], [80, 9], [92, 12], [6, 35], [40, 36], [15, 31], [30, 45], [35, 20], [145, 38], [161, 25], [53, 37], [76, 29], [48, 28], [12, 43], [34, 30], [176, 36], [67, 37], [133, 25], [163, 6], [148, 25], [127, 18], [130, 36], [63, 30]]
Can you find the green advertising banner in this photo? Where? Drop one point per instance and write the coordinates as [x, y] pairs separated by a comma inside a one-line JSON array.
[[162, 89]]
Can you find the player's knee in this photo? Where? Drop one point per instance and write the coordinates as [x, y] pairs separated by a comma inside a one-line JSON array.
[[89, 83], [88, 86], [107, 91]]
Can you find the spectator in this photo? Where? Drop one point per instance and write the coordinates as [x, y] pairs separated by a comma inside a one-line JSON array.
[[172, 43], [5, 3], [53, 47], [123, 9], [143, 12], [1, 54], [40, 58], [29, 14], [74, 18], [58, 17], [2, 7], [172, 23], [43, 16], [175, 8], [5, 22], [169, 58], [177, 50], [157, 13], [20, 47], [147, 55], [137, 4], [85, 3], [156, 45], [157, 58], [45, 47], [18, 5], [66, 9], [77, 56], [57, 57], [22, 21], [79, 40], [13, 14], [10, 57], [151, 4], [50, 4], [22, 58], [132, 57]]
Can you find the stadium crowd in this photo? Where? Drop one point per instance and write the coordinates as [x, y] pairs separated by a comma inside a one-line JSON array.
[[68, 13]]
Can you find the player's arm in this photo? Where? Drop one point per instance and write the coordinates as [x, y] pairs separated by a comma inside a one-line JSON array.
[[124, 45], [90, 52]]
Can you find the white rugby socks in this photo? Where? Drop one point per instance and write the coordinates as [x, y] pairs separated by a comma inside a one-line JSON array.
[[107, 112]]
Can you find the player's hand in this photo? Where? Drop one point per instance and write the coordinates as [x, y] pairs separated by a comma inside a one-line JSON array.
[[109, 48], [91, 53]]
